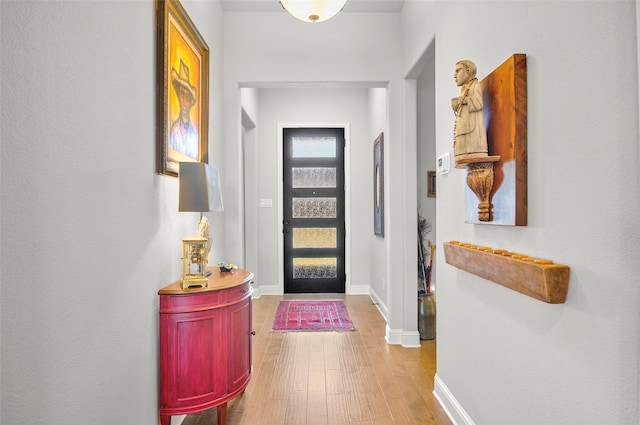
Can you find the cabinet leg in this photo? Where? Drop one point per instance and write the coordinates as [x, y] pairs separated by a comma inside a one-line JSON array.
[[222, 414]]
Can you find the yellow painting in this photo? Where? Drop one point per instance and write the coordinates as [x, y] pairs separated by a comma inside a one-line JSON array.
[[185, 93]]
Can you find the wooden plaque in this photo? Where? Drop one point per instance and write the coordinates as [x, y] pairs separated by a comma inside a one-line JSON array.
[[542, 280], [504, 93]]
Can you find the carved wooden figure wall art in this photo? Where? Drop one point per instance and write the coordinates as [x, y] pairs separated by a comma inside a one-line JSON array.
[[490, 141]]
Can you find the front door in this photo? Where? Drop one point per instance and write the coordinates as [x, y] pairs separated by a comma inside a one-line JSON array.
[[313, 205]]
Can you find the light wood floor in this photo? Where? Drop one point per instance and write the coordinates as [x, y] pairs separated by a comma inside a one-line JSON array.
[[333, 378]]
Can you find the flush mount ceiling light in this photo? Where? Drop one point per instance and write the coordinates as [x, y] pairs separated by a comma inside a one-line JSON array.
[[313, 10]]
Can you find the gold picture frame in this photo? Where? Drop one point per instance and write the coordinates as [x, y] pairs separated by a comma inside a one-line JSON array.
[[183, 89], [431, 184]]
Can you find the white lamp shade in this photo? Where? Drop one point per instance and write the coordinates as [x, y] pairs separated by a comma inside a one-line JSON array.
[[313, 10], [199, 188]]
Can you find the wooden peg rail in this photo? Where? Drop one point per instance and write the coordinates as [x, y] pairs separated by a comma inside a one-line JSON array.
[[538, 278]]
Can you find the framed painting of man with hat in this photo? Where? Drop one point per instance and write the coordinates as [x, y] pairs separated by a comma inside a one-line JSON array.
[[183, 79]]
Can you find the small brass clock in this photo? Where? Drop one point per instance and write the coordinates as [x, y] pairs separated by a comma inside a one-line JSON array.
[[194, 262]]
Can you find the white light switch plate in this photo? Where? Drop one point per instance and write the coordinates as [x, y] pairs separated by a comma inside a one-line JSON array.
[[443, 163], [266, 203]]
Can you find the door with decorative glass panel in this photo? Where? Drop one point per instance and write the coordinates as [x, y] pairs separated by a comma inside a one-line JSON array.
[[313, 210]]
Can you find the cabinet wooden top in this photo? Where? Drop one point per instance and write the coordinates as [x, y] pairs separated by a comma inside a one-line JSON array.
[[216, 282]]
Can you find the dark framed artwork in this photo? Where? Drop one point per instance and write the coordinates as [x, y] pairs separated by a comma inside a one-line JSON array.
[[378, 186], [183, 89], [431, 184]]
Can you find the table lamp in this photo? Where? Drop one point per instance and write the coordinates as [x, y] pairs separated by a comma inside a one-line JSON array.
[[199, 192]]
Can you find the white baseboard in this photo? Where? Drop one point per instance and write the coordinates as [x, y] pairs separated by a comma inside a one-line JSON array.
[[358, 290], [449, 403], [411, 339], [382, 308], [270, 290], [276, 290], [393, 336], [408, 339], [257, 293]]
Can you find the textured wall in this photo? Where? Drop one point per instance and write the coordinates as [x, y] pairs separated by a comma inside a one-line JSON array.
[[506, 358], [79, 327], [350, 50], [332, 106], [89, 232]]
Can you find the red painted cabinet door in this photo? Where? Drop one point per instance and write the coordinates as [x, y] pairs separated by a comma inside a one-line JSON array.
[[193, 364], [239, 366]]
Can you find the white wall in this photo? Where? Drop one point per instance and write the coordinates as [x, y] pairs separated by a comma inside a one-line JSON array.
[[313, 106], [249, 102], [378, 262], [504, 357], [352, 49], [275, 48], [89, 232], [426, 147], [79, 332]]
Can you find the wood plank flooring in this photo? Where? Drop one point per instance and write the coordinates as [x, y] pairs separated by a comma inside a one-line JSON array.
[[333, 378]]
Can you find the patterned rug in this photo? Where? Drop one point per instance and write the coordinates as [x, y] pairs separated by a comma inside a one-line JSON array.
[[312, 316]]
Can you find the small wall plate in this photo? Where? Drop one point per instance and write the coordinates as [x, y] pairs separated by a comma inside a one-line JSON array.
[[443, 163]]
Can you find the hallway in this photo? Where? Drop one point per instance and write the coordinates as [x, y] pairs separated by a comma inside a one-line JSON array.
[[333, 378]]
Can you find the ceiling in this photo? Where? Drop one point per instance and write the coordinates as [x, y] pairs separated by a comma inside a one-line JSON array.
[[372, 6]]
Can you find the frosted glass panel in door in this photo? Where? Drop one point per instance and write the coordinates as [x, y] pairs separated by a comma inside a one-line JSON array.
[[310, 177], [314, 207], [315, 237], [314, 147], [315, 268]]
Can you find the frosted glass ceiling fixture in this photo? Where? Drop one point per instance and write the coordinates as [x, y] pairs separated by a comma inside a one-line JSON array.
[[313, 10]]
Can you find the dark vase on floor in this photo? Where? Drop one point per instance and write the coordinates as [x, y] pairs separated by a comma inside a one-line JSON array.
[[427, 316]]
